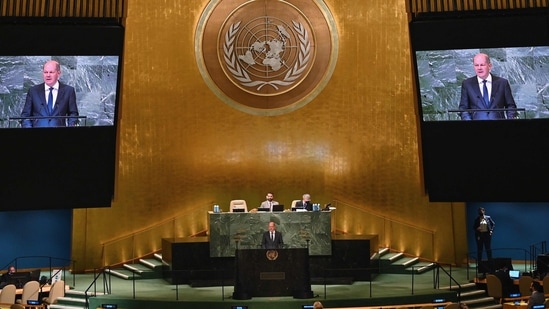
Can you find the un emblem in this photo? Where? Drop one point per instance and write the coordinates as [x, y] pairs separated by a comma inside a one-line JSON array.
[[271, 255], [266, 57]]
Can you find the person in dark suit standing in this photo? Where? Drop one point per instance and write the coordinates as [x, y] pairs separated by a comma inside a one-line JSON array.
[[484, 228], [486, 91], [272, 239], [51, 98], [305, 203]]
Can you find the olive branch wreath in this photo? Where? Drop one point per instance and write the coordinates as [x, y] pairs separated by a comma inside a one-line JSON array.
[[243, 76]]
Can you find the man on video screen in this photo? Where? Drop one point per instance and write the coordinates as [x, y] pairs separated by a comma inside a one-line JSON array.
[[51, 98], [485, 92]]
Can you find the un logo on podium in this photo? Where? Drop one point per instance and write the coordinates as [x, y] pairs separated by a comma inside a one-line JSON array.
[[271, 255]]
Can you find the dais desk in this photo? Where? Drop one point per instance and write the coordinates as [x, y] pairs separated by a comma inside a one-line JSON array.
[[311, 229], [513, 305]]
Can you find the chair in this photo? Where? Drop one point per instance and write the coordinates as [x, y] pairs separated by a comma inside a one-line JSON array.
[[524, 285], [494, 288], [31, 289], [294, 202], [452, 306], [7, 296], [546, 289], [238, 204], [57, 290]]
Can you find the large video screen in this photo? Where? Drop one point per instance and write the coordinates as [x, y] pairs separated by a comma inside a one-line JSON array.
[[94, 79], [51, 158], [497, 160], [442, 72]]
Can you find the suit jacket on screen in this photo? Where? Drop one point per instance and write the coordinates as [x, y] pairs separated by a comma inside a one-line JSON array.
[[36, 106], [501, 97]]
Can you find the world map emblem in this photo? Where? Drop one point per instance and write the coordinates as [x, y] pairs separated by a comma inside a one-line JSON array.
[[276, 55], [266, 57]]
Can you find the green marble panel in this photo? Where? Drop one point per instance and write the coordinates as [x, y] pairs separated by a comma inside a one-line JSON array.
[[299, 230]]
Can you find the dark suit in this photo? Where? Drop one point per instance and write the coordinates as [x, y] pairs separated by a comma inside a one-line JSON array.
[[500, 97], [36, 106], [484, 239], [268, 243], [308, 205]]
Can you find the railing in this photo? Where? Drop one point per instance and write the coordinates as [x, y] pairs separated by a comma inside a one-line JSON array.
[[440, 6], [41, 262], [372, 288], [63, 8], [507, 252], [535, 250], [361, 221], [98, 273], [436, 279], [149, 240]]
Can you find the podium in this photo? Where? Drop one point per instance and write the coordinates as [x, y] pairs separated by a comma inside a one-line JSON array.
[[263, 273]]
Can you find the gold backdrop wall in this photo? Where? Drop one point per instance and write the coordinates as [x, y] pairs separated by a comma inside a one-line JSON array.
[[181, 149]]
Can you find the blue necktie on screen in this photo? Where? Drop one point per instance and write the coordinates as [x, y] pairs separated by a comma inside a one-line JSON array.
[[485, 93], [50, 100]]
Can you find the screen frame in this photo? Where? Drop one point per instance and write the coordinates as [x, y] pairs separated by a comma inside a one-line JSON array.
[[482, 161], [54, 168]]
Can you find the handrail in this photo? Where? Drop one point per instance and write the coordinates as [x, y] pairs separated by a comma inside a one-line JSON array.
[[473, 256], [436, 278], [106, 285], [15, 261], [129, 245], [534, 253], [383, 225], [379, 215]]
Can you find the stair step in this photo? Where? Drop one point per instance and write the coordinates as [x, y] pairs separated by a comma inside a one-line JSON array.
[[123, 273], [495, 306], [464, 286], [383, 251], [482, 300], [80, 302], [82, 294], [474, 293], [151, 263], [158, 256], [61, 306], [420, 267], [138, 268], [393, 256], [144, 271]]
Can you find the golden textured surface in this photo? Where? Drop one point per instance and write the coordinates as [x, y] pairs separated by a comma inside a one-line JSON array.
[[181, 149]]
